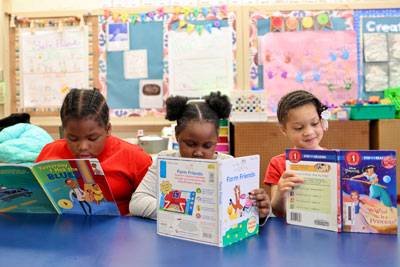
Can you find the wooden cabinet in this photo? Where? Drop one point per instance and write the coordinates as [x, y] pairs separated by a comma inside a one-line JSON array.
[[265, 139]]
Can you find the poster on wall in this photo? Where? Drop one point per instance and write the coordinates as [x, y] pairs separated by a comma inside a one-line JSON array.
[[378, 43], [117, 36], [52, 63], [199, 64], [135, 64], [321, 62], [151, 93]]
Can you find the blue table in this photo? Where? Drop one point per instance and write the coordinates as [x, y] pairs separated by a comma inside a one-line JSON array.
[[85, 241]]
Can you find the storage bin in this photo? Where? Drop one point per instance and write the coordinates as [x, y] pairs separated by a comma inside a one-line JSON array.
[[394, 95], [372, 112]]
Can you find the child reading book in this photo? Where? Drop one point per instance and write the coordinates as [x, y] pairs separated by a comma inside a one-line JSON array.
[[197, 135], [87, 131], [300, 115]]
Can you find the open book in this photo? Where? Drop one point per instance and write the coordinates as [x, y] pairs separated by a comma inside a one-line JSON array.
[[207, 201], [75, 186], [344, 191]]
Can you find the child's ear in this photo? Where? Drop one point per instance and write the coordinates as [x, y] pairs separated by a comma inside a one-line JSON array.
[[282, 129], [108, 129]]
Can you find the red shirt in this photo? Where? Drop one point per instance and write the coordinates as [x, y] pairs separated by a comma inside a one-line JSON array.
[[124, 165], [276, 167]]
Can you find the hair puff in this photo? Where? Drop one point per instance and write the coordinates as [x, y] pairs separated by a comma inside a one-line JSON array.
[[176, 106]]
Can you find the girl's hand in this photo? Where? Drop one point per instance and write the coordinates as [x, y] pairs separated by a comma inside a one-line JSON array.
[[288, 181], [262, 201]]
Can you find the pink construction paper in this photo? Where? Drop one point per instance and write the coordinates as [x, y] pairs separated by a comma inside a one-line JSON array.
[[321, 62]]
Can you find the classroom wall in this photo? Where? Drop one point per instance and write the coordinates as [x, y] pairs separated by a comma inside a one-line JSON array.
[[45, 5]]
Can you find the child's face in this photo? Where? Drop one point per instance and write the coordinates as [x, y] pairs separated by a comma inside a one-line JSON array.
[[354, 196], [85, 137], [198, 140], [303, 127]]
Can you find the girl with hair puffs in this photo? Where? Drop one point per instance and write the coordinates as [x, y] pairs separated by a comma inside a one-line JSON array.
[[197, 136]]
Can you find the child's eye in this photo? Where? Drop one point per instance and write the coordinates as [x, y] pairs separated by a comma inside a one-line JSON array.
[[315, 124], [189, 144], [72, 139], [298, 128], [92, 139], [208, 146]]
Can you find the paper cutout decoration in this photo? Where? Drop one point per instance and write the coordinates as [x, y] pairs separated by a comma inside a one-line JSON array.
[[276, 24], [208, 27], [199, 29], [115, 16], [217, 24], [190, 27], [160, 11], [133, 18], [214, 10], [323, 20], [291, 24], [107, 13], [205, 11], [151, 15], [223, 9], [177, 10], [196, 12], [186, 11], [307, 23], [181, 24], [142, 17]]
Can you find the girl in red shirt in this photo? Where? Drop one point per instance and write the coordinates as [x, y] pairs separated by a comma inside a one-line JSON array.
[[300, 116], [87, 130]]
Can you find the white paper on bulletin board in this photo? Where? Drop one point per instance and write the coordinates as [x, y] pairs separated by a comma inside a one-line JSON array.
[[52, 62], [199, 64]]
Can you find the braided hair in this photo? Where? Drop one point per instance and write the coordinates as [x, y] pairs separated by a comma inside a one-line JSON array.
[[83, 103], [213, 108], [297, 99]]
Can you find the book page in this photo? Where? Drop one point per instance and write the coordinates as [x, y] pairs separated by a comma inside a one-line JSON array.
[[315, 203], [77, 186], [238, 218], [187, 202], [20, 192]]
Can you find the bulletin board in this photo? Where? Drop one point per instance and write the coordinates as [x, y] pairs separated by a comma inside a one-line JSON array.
[[378, 42], [47, 59], [159, 33], [304, 50]]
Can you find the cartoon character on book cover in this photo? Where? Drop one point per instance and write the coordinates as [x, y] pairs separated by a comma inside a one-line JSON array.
[[78, 187], [369, 192]]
